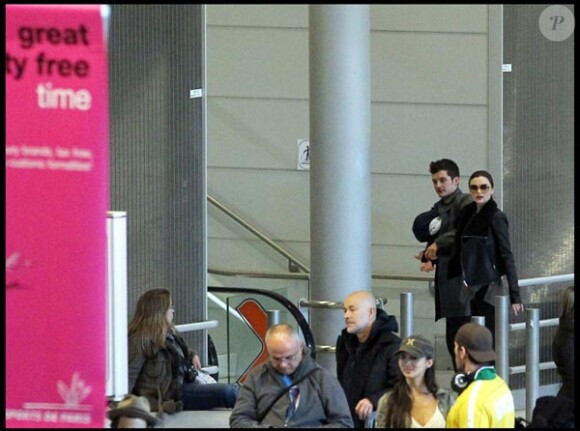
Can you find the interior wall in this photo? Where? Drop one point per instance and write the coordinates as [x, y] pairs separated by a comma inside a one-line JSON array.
[[430, 99], [539, 143], [158, 152], [538, 164]]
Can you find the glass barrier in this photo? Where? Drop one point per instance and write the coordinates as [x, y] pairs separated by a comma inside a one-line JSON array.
[[244, 314]]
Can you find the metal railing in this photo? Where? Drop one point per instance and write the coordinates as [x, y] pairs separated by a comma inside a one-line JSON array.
[[532, 326], [259, 234], [406, 315], [291, 258], [197, 326], [200, 326], [306, 303]]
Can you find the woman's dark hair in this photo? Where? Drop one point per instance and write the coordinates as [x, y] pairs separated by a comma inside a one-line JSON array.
[[400, 403], [481, 174]]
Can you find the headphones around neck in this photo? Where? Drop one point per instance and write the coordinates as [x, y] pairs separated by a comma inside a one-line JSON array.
[[461, 380]]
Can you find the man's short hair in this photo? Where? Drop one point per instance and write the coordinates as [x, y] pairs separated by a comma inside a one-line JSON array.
[[444, 165]]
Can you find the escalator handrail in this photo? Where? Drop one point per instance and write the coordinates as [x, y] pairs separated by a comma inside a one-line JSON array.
[[295, 311]]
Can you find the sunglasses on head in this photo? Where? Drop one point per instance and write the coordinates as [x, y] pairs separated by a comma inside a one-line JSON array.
[[483, 187]]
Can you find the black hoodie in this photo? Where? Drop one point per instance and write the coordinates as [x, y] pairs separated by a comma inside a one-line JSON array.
[[368, 370]]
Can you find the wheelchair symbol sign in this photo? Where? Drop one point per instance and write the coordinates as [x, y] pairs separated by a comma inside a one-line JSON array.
[[303, 154]]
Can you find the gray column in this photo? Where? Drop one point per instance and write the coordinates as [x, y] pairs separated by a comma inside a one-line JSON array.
[[340, 177]]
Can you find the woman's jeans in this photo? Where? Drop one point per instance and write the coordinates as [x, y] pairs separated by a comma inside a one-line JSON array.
[[207, 397]]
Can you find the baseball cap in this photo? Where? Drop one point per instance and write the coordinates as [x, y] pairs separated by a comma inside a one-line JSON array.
[[477, 340], [426, 225], [417, 346]]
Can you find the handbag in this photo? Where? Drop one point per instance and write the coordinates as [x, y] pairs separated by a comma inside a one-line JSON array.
[[203, 378]]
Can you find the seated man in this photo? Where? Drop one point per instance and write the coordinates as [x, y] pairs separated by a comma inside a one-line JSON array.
[[485, 400], [366, 364], [290, 389]]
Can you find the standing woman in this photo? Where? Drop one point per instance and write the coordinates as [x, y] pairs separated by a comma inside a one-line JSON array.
[[160, 361], [563, 344], [484, 252], [416, 401]]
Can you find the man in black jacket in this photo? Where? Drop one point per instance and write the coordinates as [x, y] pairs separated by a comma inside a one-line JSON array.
[[366, 363], [445, 179]]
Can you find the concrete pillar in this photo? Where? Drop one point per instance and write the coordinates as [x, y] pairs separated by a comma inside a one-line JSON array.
[[340, 176]]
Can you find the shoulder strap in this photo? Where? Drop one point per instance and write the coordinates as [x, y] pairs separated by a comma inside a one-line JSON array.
[[282, 392]]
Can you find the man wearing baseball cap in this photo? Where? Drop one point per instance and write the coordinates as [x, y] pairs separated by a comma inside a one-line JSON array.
[[485, 400]]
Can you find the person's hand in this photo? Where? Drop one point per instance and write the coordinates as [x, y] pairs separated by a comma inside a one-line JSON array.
[[517, 308], [419, 257], [196, 362], [363, 409], [427, 266], [431, 251]]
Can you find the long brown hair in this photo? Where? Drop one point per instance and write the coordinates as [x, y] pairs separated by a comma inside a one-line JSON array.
[[568, 302], [400, 403], [149, 323]]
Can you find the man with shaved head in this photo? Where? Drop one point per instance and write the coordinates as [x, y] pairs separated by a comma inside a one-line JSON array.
[[366, 364]]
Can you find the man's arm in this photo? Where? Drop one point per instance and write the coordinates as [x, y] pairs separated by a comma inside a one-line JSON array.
[[136, 362], [393, 372], [334, 401], [245, 412], [500, 229], [447, 239]]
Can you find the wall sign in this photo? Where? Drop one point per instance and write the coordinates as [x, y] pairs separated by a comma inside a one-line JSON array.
[[303, 155]]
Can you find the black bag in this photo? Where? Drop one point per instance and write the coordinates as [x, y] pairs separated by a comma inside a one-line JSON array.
[[190, 373]]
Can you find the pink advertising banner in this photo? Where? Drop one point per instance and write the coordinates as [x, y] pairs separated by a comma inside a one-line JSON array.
[[56, 207]]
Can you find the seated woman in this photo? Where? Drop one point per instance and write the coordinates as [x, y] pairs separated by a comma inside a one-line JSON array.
[[415, 401], [160, 361]]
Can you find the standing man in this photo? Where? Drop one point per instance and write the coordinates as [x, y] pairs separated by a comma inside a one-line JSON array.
[[445, 178], [485, 400], [366, 362], [290, 389]]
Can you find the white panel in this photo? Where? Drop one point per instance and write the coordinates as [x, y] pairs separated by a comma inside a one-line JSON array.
[[247, 256], [429, 68], [117, 349], [429, 90], [270, 63], [276, 202], [431, 18], [439, 18], [255, 133], [396, 201], [407, 137], [398, 260], [263, 15]]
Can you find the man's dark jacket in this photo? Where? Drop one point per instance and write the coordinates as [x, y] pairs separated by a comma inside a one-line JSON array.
[[368, 370]]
